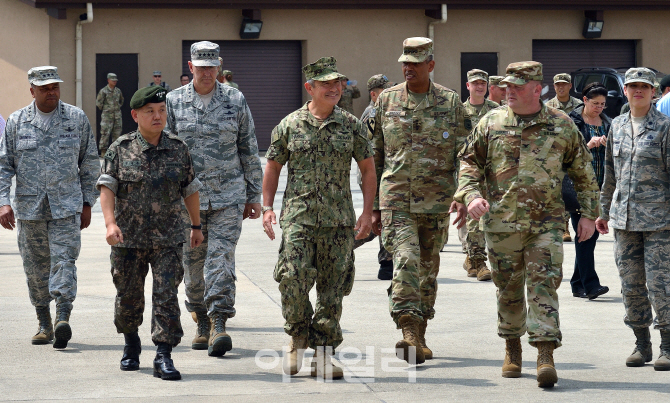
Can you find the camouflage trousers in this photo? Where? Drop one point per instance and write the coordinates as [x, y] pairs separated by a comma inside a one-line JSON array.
[[415, 241], [383, 255], [49, 249], [643, 260], [110, 129], [536, 260], [129, 270], [209, 270], [475, 242], [311, 255]]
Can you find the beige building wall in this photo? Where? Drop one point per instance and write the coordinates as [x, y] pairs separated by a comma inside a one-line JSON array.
[[24, 43]]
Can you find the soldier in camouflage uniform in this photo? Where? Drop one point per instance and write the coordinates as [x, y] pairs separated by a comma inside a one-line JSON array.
[[497, 90], [50, 148], [376, 84], [144, 177], [419, 128], [348, 96], [109, 101], [317, 220], [157, 81], [519, 153], [215, 122], [227, 76], [635, 202], [476, 106]]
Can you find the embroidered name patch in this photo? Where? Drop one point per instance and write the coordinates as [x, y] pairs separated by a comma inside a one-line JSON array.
[[131, 163], [395, 113]]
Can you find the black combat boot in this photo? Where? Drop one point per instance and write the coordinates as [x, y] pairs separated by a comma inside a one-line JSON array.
[[62, 330], [163, 365], [131, 352]]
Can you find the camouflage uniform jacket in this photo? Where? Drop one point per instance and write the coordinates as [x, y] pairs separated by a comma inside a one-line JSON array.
[[472, 111], [318, 158], [368, 125], [163, 84], [232, 84], [636, 191], [569, 107], [149, 183], [416, 148], [347, 98], [109, 100], [222, 142], [58, 163], [523, 168]]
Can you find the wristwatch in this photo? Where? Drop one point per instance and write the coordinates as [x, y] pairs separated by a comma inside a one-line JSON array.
[[196, 227], [266, 208]]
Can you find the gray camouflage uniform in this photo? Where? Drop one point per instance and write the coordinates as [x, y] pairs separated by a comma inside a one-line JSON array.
[[222, 143], [56, 167]]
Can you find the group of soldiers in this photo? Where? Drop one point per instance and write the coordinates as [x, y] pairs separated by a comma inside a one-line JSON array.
[[174, 194]]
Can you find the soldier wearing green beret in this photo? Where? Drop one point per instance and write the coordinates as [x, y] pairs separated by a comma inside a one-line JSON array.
[[109, 101], [519, 153], [144, 177], [419, 128], [317, 143]]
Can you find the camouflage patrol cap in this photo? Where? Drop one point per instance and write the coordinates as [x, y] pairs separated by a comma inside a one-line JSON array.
[[416, 50], [112, 76], [324, 69], [157, 73], [378, 81], [496, 80], [640, 75], [147, 95], [520, 73], [43, 75], [476, 74], [205, 53], [562, 78], [227, 73]]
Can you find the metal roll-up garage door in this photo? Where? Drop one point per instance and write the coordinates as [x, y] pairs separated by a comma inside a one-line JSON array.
[[269, 75], [558, 56]]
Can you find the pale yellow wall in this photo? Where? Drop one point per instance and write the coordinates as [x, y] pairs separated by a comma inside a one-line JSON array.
[[24, 43]]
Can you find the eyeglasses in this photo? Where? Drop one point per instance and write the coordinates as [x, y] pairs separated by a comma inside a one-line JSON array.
[[598, 105], [157, 76]]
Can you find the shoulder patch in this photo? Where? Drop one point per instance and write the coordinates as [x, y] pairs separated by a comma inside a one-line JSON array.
[[110, 154], [468, 123]]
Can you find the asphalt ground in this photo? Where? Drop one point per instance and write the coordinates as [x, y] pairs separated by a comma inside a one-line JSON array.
[[468, 352]]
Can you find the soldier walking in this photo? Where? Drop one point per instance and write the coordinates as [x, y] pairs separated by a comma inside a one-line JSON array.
[[476, 106], [519, 153], [145, 175], [50, 148], [635, 203], [109, 101], [317, 142], [215, 122], [419, 128]]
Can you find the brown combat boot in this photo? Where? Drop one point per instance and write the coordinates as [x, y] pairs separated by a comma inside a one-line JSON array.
[[409, 347], [219, 341], [512, 365], [642, 352], [566, 234], [322, 366], [62, 330], [546, 373], [201, 339], [293, 357], [45, 330], [427, 353], [483, 273], [663, 362], [467, 265]]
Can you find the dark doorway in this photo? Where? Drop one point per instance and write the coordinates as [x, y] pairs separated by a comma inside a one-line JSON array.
[[269, 74], [125, 66], [487, 61]]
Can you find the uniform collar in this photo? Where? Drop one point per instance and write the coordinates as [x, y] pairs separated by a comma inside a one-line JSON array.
[[428, 102], [144, 145], [31, 112], [193, 98], [336, 116], [512, 120]]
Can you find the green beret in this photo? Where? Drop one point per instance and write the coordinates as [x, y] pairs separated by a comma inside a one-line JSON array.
[[148, 95]]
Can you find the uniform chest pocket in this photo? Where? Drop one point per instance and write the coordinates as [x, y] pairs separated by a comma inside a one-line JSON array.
[[649, 151], [299, 145], [185, 127], [616, 149], [68, 143], [130, 175], [173, 170], [503, 145], [343, 147], [26, 144]]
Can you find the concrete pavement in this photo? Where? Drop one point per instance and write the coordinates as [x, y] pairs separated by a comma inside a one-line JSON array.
[[468, 352]]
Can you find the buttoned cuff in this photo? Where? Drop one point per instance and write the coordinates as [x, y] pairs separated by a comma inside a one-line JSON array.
[[191, 188], [107, 181]]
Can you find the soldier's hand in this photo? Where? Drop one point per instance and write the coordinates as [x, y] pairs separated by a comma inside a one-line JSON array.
[[462, 213], [602, 226], [377, 222], [363, 226], [269, 218], [585, 229], [478, 207], [251, 210], [196, 238], [603, 141], [85, 217], [114, 234], [7, 217]]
